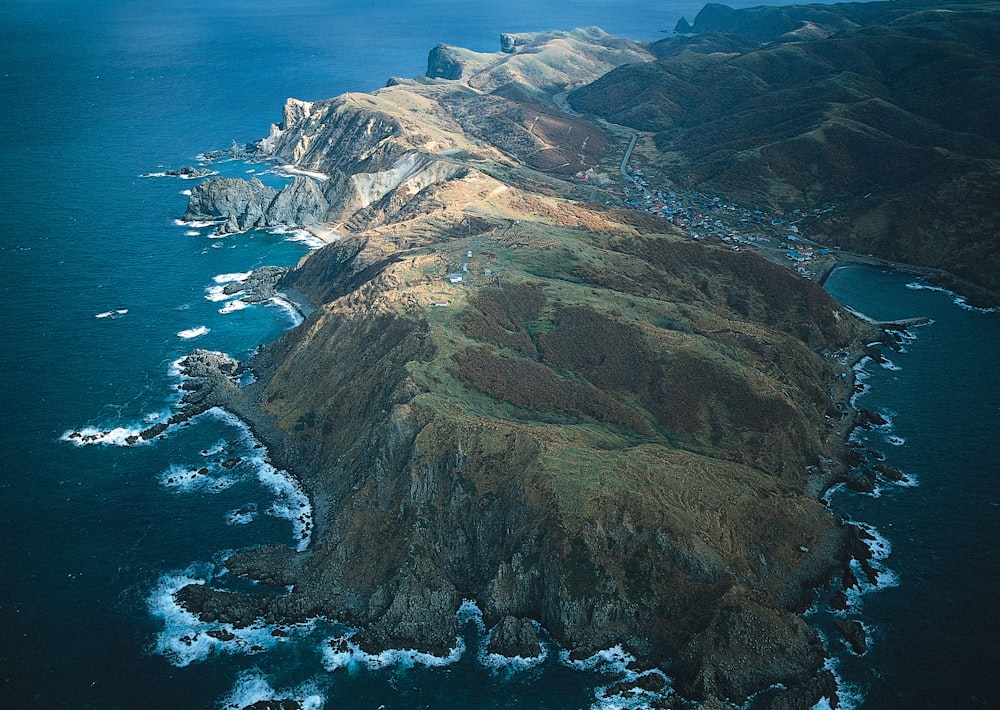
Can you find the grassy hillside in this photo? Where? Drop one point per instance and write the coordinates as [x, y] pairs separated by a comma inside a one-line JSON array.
[[887, 112], [514, 391]]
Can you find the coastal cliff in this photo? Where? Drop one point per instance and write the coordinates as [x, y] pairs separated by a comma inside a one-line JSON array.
[[517, 392]]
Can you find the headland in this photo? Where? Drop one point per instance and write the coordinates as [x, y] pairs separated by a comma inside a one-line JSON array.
[[523, 386]]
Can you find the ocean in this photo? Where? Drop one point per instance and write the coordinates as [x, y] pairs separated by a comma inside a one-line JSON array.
[[104, 290]]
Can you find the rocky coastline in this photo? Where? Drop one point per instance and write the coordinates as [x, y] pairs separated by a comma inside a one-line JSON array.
[[213, 384], [510, 394]]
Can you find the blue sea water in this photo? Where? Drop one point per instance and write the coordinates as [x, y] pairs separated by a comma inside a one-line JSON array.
[[95, 94], [936, 627]]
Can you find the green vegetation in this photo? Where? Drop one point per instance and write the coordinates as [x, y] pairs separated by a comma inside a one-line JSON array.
[[883, 108], [603, 427]]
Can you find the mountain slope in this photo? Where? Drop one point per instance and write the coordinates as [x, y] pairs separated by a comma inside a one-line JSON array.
[[887, 112]]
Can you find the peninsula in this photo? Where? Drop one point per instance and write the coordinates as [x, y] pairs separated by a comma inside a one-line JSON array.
[[602, 423]]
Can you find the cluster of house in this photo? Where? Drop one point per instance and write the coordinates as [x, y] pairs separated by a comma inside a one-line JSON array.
[[461, 277], [702, 216]]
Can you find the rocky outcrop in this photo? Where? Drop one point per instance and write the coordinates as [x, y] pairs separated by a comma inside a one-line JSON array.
[[259, 286], [242, 201], [743, 646], [189, 173], [239, 205], [853, 633], [443, 64], [513, 637]]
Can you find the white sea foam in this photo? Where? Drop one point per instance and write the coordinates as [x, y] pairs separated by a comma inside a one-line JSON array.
[[215, 449], [879, 545], [909, 481], [193, 332], [242, 516], [896, 440], [218, 293], [637, 699], [195, 224], [512, 664], [253, 687], [860, 375], [849, 696], [186, 193], [888, 364], [616, 661], [114, 436], [188, 480], [175, 174], [919, 286], [880, 549], [231, 306], [174, 368], [117, 313], [192, 233], [859, 314], [957, 299], [890, 419], [290, 503], [239, 276], [470, 613], [341, 652], [117, 436], [185, 638], [610, 660], [299, 235], [294, 314]]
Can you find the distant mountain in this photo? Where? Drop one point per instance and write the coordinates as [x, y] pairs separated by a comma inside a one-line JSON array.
[[887, 109]]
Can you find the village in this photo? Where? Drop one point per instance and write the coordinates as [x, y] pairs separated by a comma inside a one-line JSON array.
[[705, 217]]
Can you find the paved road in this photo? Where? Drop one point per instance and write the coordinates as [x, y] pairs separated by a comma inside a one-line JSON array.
[[628, 154]]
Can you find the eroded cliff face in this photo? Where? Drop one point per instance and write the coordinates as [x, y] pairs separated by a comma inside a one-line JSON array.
[[379, 151], [602, 429], [238, 205]]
